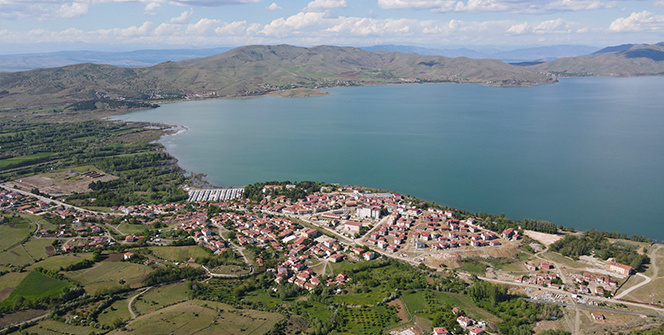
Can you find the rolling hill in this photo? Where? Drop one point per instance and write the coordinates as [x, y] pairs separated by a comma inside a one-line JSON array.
[[247, 71], [623, 60]]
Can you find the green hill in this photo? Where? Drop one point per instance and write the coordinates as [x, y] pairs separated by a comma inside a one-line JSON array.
[[621, 61], [246, 71]]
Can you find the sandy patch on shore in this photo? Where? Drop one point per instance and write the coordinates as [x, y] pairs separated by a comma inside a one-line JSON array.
[[546, 239]]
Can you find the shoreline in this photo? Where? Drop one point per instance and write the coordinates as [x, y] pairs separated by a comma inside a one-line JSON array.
[[179, 129]]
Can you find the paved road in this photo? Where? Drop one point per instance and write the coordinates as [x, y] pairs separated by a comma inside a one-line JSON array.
[[47, 200]]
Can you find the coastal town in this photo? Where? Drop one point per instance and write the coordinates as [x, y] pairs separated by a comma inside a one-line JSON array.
[[319, 232]]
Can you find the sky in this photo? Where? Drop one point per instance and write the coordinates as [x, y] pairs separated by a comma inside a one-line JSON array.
[[28, 26]]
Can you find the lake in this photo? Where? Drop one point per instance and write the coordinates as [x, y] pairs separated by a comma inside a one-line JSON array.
[[586, 152]]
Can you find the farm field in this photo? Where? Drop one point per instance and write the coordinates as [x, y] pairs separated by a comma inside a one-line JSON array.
[[179, 254], [51, 327], [36, 286], [56, 262], [14, 233], [132, 229], [107, 275], [23, 160], [367, 320], [160, 297], [466, 304], [9, 281], [20, 316], [202, 317], [27, 253], [117, 311]]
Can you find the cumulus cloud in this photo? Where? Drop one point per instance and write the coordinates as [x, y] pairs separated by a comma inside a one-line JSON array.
[[183, 18], [318, 5], [641, 21], [152, 6], [515, 6], [273, 6], [556, 26], [73, 10], [282, 27], [210, 3], [234, 28]]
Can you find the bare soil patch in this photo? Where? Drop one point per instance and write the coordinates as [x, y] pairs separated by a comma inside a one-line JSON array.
[[401, 310], [50, 250], [5, 292], [114, 258], [546, 239], [64, 183], [546, 325]]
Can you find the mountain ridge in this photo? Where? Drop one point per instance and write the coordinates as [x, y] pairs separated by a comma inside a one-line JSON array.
[[248, 71]]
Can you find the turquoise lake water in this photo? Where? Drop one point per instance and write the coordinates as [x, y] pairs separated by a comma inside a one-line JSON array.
[[586, 152]]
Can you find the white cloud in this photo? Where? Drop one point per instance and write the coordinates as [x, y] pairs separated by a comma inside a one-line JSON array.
[[641, 21], [317, 5], [282, 27], [556, 26], [203, 26], [416, 4], [152, 6], [210, 3], [73, 10], [514, 6], [234, 29], [659, 3], [273, 6], [367, 26], [183, 18]]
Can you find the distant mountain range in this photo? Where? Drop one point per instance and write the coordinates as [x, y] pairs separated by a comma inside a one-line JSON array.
[[622, 60], [250, 70], [137, 58], [510, 56], [259, 69], [141, 58]]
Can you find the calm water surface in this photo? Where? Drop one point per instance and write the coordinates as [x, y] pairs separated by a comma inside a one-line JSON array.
[[585, 152]]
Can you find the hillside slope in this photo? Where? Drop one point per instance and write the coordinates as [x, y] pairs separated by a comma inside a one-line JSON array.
[[250, 70], [624, 60]]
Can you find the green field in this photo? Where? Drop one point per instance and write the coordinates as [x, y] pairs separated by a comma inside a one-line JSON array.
[[203, 317], [27, 253], [160, 297], [36, 286], [132, 229], [8, 283], [415, 301], [11, 235], [24, 160], [56, 262], [179, 254], [367, 320], [466, 304], [51, 327], [117, 311], [107, 275]]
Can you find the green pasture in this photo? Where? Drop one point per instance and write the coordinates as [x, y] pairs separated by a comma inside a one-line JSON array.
[[37, 286], [107, 276], [161, 296], [179, 254], [366, 320], [203, 317]]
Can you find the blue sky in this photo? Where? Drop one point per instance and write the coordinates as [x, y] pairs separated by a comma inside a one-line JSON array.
[[120, 25]]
